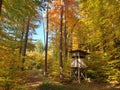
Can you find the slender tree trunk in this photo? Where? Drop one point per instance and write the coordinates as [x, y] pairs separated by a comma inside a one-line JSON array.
[[21, 39], [0, 6], [46, 46], [65, 33], [25, 43], [21, 42], [61, 25]]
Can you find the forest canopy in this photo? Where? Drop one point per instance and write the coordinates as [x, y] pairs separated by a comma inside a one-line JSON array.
[[88, 25]]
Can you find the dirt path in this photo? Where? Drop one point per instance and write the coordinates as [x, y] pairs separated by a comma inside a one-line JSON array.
[[35, 79]]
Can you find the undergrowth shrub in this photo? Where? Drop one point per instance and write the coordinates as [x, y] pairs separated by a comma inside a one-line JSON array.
[[103, 69]]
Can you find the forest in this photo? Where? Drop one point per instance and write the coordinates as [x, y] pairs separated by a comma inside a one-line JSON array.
[[92, 26]]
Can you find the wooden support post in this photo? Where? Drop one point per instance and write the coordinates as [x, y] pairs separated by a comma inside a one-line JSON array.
[[78, 74]]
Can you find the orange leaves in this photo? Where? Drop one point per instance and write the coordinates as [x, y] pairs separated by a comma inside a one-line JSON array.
[[56, 2], [70, 3], [54, 12], [67, 2], [69, 17]]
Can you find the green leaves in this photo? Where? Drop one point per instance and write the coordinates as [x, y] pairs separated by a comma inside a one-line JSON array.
[[39, 47], [13, 24], [101, 27]]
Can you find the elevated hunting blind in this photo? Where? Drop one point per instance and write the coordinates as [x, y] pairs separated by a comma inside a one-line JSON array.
[[78, 64]]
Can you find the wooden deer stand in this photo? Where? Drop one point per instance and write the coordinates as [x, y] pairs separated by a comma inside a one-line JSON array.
[[78, 65]]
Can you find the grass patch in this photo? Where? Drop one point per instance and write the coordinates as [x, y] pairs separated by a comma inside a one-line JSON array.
[[50, 86], [74, 86]]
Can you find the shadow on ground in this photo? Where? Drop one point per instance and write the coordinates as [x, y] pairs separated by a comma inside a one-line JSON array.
[[76, 86]]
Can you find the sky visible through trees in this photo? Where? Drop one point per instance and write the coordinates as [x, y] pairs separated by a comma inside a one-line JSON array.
[[39, 33]]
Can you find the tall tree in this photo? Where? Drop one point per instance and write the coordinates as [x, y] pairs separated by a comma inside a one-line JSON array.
[[58, 27], [25, 42], [101, 24], [0, 6], [65, 31], [46, 45], [61, 49]]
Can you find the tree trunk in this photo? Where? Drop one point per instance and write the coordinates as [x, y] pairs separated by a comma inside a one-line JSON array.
[[65, 33], [0, 6], [21, 39], [46, 46], [61, 24], [21, 42], [25, 43]]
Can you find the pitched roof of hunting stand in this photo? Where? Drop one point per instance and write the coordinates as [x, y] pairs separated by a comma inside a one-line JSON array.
[[78, 53]]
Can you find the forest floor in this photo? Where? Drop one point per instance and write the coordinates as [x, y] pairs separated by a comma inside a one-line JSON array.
[[35, 80]]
